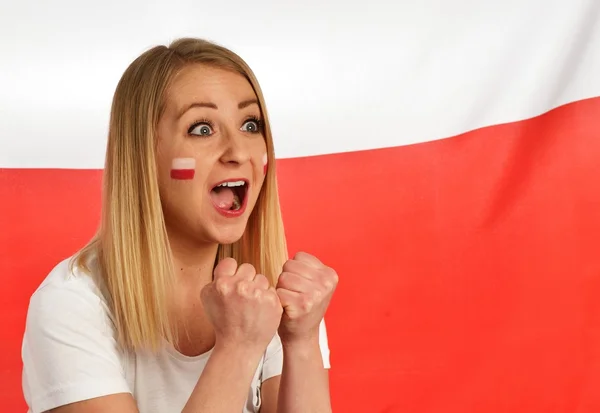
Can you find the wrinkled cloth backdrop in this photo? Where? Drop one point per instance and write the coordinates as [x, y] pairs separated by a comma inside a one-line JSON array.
[[444, 157]]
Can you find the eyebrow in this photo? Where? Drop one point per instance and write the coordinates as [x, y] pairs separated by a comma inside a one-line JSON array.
[[241, 105], [247, 103]]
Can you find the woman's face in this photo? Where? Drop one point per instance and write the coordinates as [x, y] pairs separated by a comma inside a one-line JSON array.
[[211, 154]]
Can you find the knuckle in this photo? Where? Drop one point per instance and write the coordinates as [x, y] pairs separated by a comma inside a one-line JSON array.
[[283, 277], [242, 288], [307, 304], [256, 293], [222, 286], [261, 281], [331, 277], [329, 284], [287, 265], [300, 255], [317, 295], [268, 297], [335, 277]]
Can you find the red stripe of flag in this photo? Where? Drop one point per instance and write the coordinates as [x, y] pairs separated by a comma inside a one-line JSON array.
[[470, 270]]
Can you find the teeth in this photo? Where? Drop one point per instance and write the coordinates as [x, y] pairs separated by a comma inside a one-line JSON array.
[[236, 204], [234, 183]]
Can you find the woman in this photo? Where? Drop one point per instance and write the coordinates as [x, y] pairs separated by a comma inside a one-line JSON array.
[[184, 300]]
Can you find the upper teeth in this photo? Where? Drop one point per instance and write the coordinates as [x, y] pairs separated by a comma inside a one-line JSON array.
[[234, 183]]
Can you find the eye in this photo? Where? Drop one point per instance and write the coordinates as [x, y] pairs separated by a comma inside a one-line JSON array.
[[202, 128], [252, 126]]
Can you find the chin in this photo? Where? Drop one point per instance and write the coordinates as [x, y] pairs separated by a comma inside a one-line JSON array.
[[229, 234], [226, 240]]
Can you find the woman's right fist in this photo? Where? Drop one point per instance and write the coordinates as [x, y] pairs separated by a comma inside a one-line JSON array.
[[242, 307]]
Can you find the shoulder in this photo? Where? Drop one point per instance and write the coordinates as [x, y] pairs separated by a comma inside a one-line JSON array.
[[68, 276], [69, 350], [66, 297]]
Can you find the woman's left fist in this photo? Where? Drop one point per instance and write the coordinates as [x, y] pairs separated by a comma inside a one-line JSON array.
[[305, 287]]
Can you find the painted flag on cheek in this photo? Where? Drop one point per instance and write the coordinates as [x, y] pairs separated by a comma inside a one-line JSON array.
[[183, 168]]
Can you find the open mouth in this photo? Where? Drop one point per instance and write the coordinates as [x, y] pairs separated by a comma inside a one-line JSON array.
[[230, 195]]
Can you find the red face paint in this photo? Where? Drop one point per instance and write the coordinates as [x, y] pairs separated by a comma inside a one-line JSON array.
[[265, 162], [183, 168]]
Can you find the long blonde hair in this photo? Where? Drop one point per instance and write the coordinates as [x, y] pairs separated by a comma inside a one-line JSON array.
[[131, 246]]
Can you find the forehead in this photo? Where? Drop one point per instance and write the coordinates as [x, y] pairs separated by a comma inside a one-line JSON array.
[[203, 83]]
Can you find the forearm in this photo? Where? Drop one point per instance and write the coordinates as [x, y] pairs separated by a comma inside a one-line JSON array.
[[224, 383], [304, 384]]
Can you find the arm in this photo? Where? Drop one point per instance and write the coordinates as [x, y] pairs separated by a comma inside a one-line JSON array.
[[223, 385], [302, 377], [232, 366], [72, 363], [304, 384], [117, 403], [245, 312], [305, 288]]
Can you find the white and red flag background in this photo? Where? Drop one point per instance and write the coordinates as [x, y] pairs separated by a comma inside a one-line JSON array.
[[442, 155]]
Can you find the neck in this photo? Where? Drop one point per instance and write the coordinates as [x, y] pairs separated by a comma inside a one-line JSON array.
[[194, 262]]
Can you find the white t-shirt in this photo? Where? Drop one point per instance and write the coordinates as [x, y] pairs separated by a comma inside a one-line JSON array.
[[70, 354]]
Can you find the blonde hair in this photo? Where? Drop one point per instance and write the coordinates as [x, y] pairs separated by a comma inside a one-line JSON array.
[[131, 245]]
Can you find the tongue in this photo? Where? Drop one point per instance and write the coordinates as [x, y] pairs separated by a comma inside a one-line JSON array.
[[222, 197]]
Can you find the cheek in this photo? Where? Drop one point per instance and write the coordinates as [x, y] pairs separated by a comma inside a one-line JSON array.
[[182, 190], [183, 169]]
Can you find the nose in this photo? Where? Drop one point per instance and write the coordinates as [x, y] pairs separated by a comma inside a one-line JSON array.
[[235, 149]]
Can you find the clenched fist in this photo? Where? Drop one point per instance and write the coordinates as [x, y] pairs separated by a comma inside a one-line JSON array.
[[243, 309], [305, 288]]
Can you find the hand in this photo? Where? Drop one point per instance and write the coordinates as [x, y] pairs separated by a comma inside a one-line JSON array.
[[243, 309], [305, 288]]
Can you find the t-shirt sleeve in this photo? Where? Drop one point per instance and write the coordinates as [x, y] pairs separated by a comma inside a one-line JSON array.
[[273, 361], [69, 351]]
